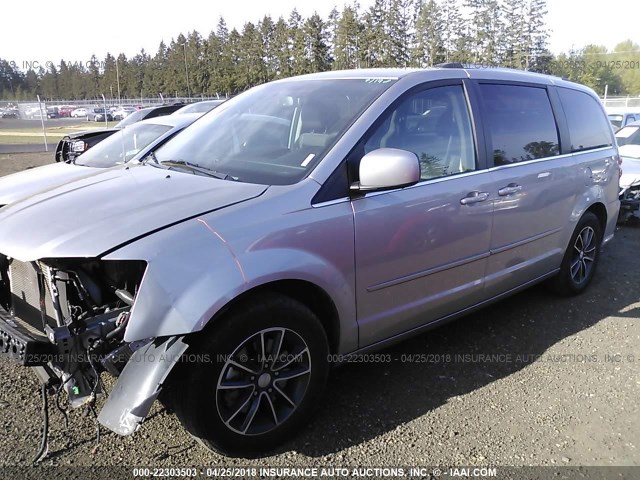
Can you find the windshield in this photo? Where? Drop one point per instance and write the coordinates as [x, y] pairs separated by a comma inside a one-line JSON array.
[[122, 146], [628, 135], [131, 118], [276, 133]]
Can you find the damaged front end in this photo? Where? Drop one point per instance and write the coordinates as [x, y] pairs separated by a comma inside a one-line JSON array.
[[67, 318], [629, 182], [630, 203]]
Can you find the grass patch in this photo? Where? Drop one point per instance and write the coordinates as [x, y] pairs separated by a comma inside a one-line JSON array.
[[28, 139], [26, 136]]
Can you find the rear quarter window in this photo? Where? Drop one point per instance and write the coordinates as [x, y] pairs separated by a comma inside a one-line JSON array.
[[588, 125]]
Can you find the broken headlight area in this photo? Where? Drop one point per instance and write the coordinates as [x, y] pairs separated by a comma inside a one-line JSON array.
[[629, 203], [67, 318]]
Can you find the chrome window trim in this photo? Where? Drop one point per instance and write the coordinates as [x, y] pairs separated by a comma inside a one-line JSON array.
[[330, 202], [545, 159], [427, 181]]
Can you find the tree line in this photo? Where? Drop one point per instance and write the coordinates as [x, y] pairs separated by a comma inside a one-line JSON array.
[[390, 33]]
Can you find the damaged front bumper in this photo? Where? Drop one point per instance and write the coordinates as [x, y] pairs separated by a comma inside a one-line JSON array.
[[629, 203], [140, 384], [22, 343], [67, 320]]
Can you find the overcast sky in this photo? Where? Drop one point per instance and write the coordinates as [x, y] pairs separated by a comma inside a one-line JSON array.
[[43, 30]]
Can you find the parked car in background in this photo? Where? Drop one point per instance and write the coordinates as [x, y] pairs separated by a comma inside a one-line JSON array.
[[98, 115], [35, 112], [38, 114], [211, 267], [132, 143], [8, 113], [629, 135], [199, 107], [53, 112], [120, 113], [72, 145], [135, 141], [65, 111], [622, 116], [149, 112], [79, 112]]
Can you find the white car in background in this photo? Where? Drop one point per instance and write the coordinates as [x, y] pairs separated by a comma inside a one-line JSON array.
[[122, 112], [79, 112]]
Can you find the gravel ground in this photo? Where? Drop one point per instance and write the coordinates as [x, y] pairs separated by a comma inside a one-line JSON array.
[[561, 388]]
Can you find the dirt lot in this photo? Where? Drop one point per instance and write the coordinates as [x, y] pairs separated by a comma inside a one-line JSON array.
[[14, 162], [533, 380]]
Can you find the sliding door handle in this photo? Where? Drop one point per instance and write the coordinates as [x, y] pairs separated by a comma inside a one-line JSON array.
[[510, 189], [474, 197]]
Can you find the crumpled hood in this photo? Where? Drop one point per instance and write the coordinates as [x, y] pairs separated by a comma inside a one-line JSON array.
[[91, 215], [23, 184]]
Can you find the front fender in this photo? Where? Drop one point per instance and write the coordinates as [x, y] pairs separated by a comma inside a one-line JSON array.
[[192, 273]]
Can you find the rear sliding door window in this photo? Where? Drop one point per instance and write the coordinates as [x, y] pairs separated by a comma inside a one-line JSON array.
[[520, 122], [588, 125]]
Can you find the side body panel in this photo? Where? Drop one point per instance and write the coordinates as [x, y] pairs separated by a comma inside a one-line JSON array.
[[420, 254], [529, 229]]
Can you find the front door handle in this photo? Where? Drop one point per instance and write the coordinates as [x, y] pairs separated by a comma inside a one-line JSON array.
[[474, 197], [510, 189]]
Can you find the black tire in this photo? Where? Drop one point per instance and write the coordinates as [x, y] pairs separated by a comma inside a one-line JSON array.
[[207, 400], [581, 257]]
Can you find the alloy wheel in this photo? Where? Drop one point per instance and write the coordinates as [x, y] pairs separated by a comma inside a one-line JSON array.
[[584, 254], [263, 381]]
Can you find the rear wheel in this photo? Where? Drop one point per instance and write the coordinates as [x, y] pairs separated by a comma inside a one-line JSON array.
[[264, 370], [581, 258]]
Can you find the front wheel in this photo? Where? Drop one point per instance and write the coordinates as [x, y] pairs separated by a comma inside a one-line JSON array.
[[581, 257], [252, 381]]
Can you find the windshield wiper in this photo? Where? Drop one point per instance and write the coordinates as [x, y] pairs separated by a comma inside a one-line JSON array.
[[197, 168], [151, 156]]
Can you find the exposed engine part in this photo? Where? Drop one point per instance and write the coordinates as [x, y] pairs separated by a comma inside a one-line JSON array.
[[125, 296], [67, 317]]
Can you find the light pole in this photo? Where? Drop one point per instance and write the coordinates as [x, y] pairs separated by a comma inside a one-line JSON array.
[[186, 69], [104, 102], [118, 80]]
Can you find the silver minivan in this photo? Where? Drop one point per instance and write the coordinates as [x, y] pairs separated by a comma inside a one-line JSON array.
[[303, 223]]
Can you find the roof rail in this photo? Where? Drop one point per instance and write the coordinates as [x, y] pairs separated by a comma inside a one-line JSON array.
[[450, 65]]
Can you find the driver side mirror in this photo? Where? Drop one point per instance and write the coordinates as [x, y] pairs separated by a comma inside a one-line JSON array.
[[387, 168]]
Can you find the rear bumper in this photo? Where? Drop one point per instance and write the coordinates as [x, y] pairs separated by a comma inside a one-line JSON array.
[[21, 344]]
